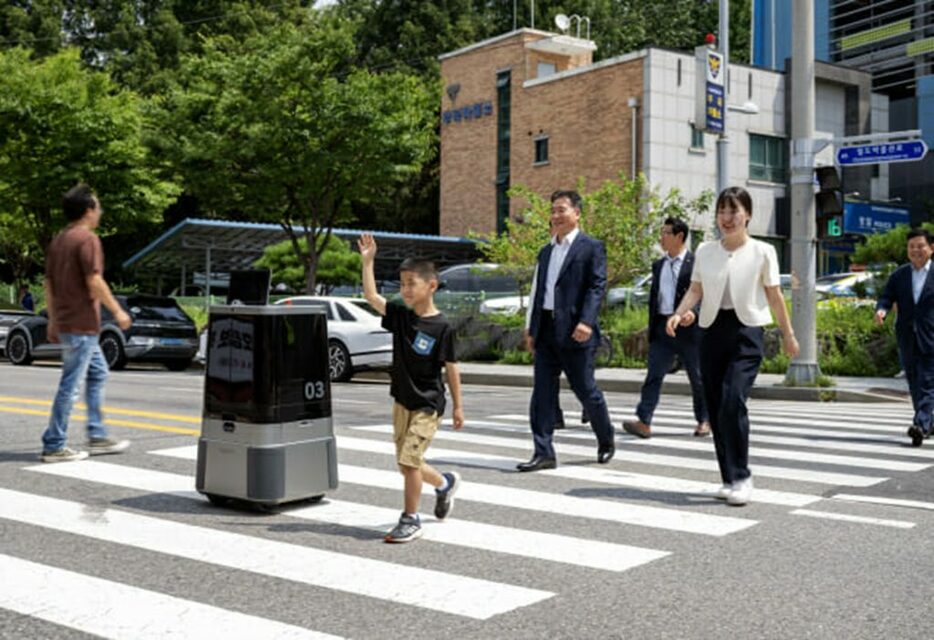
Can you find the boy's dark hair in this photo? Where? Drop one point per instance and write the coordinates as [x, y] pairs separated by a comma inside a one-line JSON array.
[[678, 226], [77, 201], [575, 198], [424, 269], [918, 232]]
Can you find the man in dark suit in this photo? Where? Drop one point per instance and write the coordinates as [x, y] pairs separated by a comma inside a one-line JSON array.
[[563, 333], [911, 289], [671, 278]]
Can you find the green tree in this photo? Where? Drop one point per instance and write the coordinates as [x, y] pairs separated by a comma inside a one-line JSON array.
[[283, 128], [888, 247], [61, 123], [20, 256], [338, 264], [626, 214]]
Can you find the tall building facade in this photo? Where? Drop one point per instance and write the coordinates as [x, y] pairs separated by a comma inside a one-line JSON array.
[[892, 40]]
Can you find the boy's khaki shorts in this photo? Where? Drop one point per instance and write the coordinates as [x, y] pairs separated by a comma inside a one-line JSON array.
[[412, 432]]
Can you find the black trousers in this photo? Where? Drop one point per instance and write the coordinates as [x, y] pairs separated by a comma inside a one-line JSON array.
[[578, 365], [919, 371], [730, 355], [662, 351]]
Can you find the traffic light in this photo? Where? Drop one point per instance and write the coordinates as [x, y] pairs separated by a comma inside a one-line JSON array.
[[829, 200]]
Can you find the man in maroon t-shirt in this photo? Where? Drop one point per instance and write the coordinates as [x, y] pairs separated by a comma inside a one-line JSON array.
[[74, 290]]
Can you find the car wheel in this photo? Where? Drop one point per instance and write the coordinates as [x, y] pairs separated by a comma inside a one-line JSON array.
[[17, 349], [177, 365], [339, 361], [112, 349]]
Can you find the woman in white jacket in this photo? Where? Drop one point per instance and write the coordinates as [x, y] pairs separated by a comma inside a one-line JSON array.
[[736, 280]]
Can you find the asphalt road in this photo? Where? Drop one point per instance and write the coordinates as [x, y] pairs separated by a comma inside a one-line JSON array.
[[117, 546]]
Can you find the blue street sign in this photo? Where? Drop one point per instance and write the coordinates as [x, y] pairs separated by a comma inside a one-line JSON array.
[[867, 218], [715, 106], [881, 153]]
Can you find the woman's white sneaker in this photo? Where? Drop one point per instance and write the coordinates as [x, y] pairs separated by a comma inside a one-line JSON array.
[[723, 492], [741, 493]]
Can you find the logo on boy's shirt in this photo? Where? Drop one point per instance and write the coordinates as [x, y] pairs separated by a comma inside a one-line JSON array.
[[423, 344]]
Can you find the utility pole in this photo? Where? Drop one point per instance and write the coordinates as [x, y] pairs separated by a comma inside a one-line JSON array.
[[723, 141], [804, 368]]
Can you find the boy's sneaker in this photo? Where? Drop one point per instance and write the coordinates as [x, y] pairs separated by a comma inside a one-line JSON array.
[[408, 529], [444, 500], [64, 454], [101, 446]]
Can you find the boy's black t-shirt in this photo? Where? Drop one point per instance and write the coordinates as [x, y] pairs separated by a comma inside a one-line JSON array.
[[420, 347]]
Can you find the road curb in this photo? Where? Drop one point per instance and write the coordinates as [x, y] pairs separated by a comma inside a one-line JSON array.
[[762, 392]]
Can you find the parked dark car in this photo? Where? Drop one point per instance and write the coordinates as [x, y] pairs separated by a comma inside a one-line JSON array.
[[8, 317], [161, 332]]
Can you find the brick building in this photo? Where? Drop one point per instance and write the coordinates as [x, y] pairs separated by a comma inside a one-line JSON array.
[[531, 107]]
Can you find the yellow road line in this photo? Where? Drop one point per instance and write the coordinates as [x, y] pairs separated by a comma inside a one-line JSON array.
[[116, 423], [176, 417]]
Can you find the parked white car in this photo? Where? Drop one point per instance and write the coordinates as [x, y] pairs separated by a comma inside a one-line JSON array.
[[356, 338], [509, 305], [840, 284]]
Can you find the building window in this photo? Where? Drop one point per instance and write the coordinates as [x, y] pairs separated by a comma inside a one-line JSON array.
[[546, 69], [541, 150], [697, 138], [767, 158]]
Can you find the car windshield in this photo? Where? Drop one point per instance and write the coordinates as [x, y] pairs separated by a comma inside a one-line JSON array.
[[363, 304], [156, 309], [833, 278]]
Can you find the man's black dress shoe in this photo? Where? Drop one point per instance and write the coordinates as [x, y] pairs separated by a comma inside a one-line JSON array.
[[537, 463], [916, 435], [605, 454]]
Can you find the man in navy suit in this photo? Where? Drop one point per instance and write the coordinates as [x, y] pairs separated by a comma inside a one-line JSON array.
[[563, 333], [671, 278], [911, 289]]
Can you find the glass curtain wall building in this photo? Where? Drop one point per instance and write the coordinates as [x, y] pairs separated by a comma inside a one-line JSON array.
[[891, 39]]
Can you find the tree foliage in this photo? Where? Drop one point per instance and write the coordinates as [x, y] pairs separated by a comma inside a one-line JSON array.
[[283, 128], [888, 247], [625, 214], [338, 264], [140, 43], [414, 33], [61, 123]]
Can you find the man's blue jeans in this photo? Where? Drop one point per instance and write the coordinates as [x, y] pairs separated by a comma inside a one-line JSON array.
[[81, 359]]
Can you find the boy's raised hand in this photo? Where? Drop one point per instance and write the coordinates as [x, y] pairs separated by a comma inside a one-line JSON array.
[[367, 246]]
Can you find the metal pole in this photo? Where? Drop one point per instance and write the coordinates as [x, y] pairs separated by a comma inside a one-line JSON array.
[[723, 142], [533, 14], [634, 105], [804, 368], [207, 279]]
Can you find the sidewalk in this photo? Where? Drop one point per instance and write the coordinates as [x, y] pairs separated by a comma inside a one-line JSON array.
[[768, 385]]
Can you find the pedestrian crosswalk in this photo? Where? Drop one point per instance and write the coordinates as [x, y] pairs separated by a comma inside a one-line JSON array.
[[652, 504]]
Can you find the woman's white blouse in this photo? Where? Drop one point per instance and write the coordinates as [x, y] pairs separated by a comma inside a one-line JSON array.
[[747, 271]]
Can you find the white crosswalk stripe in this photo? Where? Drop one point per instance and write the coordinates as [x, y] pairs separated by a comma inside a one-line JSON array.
[[459, 595], [672, 519], [114, 610], [532, 544], [663, 498], [708, 463], [600, 474]]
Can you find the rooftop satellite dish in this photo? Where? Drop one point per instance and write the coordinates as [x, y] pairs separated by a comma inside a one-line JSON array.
[[562, 22]]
